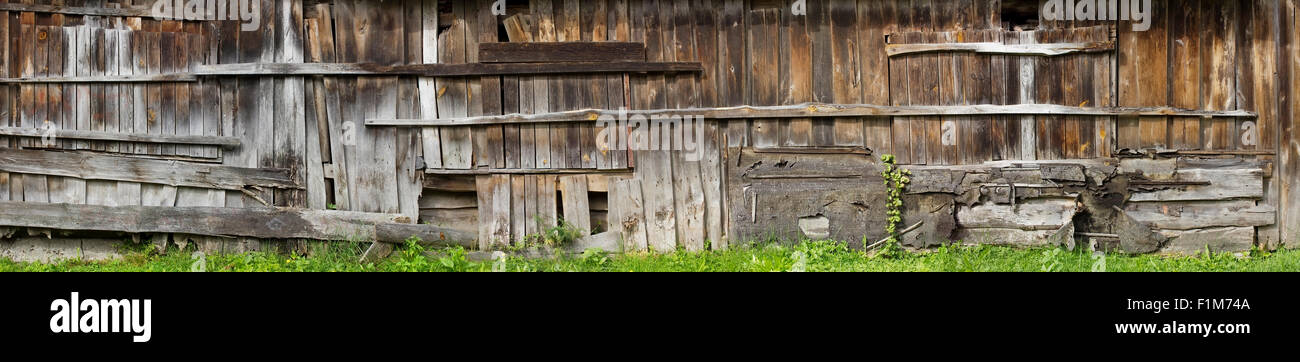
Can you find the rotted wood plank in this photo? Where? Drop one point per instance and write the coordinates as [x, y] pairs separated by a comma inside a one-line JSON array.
[[116, 168], [424, 234], [577, 211], [271, 223], [1224, 184], [559, 52]]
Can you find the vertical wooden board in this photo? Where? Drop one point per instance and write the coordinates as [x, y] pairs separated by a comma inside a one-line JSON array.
[[735, 81], [654, 169], [126, 93], [289, 124], [1048, 78], [846, 68], [180, 63], [899, 95], [54, 119], [561, 88], [1185, 64], [873, 24], [795, 74], [823, 66], [489, 94], [519, 208], [618, 85], [530, 203], [688, 197], [1219, 75], [27, 92], [628, 214], [431, 138], [1288, 129], [543, 30], [763, 45], [36, 187], [74, 189], [594, 27], [577, 211], [1152, 74], [1072, 94], [1084, 70], [457, 149], [484, 191], [547, 202]]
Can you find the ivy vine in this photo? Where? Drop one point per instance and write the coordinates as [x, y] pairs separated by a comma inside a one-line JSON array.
[[896, 179]]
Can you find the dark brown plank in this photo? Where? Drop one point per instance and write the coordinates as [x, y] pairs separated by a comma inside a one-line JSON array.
[[573, 51]]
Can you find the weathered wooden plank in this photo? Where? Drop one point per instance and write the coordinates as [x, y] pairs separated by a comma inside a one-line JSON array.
[[688, 197], [457, 149], [519, 207], [577, 211], [765, 89], [1201, 214], [131, 11], [846, 68], [1224, 184], [117, 168], [273, 223], [226, 142], [559, 52], [148, 78], [446, 69], [1043, 49], [654, 169], [1216, 240], [628, 214], [1288, 129], [425, 234], [499, 223], [1034, 214], [491, 139], [806, 110]]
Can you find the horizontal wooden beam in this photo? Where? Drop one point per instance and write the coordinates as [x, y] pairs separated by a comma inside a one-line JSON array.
[[428, 235], [810, 110], [225, 142], [269, 223], [116, 168], [154, 78], [443, 70], [78, 10], [1045, 49], [524, 171], [551, 52]]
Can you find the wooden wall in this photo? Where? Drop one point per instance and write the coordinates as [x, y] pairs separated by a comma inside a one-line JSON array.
[[1199, 54]]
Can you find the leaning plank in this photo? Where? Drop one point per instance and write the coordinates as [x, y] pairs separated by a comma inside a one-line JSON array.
[[1044, 49], [814, 110], [425, 235], [151, 78], [115, 168], [271, 223], [226, 142], [1201, 214], [443, 70], [576, 210], [561, 52]]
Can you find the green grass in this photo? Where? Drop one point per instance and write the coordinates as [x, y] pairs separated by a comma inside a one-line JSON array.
[[807, 256]]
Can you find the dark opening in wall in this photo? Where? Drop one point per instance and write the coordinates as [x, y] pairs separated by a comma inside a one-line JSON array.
[[1021, 14]]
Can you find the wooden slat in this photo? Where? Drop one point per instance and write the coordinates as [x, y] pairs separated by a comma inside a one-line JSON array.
[[560, 52], [627, 214], [115, 168], [654, 169], [140, 11], [1047, 49], [457, 149], [1224, 184], [1201, 214], [150, 78], [763, 44], [445, 70], [806, 110], [577, 211], [227, 142], [428, 235], [270, 223]]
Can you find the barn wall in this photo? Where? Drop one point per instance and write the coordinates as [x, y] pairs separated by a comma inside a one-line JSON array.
[[505, 182]]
